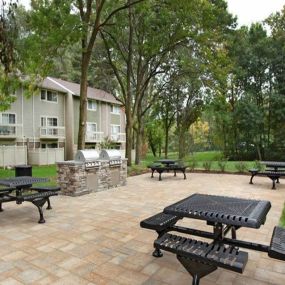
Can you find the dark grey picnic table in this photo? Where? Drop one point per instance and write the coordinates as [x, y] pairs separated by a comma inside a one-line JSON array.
[[19, 189], [225, 214]]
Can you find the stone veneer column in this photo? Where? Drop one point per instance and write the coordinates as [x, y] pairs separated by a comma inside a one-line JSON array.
[[69, 126]]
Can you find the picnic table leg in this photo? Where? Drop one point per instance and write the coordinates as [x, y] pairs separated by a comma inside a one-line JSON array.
[[152, 171], [174, 172], [159, 176], [273, 184], [252, 175], [39, 204], [1, 209], [196, 269], [49, 207], [184, 174]]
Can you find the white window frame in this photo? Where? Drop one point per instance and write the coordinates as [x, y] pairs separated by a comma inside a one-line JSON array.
[[49, 117], [46, 99], [114, 125], [91, 123], [115, 107], [8, 113], [93, 101]]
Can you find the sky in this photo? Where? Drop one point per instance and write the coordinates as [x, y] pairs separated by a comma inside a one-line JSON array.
[[248, 11]]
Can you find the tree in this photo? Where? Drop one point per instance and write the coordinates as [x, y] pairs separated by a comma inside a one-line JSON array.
[[154, 31], [8, 57], [56, 25]]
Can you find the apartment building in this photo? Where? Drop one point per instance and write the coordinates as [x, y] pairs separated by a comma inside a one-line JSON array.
[[50, 119]]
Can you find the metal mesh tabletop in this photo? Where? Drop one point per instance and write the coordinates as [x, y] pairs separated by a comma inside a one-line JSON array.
[[273, 163], [22, 181], [225, 210]]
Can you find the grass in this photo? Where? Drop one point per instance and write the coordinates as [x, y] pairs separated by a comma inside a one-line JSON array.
[[199, 158], [282, 218], [48, 171]]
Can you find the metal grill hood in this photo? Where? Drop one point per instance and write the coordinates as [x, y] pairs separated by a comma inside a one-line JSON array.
[[87, 155], [110, 154]]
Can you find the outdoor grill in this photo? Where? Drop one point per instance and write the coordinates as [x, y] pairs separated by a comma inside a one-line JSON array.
[[90, 158], [112, 155]]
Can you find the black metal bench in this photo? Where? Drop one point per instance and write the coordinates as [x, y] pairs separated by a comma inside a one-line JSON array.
[[161, 223], [201, 258], [273, 175], [38, 199], [172, 167]]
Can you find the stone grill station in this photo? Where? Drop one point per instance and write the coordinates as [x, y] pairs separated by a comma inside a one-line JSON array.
[[91, 172]]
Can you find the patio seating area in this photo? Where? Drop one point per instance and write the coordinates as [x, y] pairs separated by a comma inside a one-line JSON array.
[[97, 239]]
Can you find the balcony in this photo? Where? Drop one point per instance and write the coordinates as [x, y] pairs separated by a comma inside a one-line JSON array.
[[52, 132], [10, 130], [94, 137], [118, 137]]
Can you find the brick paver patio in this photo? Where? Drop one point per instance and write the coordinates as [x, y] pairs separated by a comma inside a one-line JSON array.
[[96, 238]]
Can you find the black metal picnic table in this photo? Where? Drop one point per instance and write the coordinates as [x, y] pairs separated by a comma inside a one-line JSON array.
[[167, 162], [20, 188], [225, 214]]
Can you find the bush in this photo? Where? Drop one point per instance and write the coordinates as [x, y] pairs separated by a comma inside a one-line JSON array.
[[241, 166], [207, 165], [192, 164], [258, 165], [222, 165]]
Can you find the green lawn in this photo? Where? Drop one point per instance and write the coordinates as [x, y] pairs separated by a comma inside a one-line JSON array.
[[48, 171], [212, 157]]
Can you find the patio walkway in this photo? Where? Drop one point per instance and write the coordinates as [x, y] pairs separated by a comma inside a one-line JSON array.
[[96, 238]]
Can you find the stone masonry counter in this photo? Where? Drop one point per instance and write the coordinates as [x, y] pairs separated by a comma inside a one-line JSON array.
[[76, 179]]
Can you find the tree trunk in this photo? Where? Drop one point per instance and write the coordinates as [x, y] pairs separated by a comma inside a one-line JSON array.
[[83, 102], [166, 141], [129, 138], [182, 144]]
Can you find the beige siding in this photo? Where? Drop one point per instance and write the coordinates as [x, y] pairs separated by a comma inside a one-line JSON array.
[[48, 109]]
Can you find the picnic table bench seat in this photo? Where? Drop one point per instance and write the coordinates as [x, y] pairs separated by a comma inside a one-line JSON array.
[[273, 175], [201, 258], [277, 244], [159, 168], [161, 223]]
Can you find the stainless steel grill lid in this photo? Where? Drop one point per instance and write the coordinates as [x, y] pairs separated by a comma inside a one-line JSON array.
[[87, 155], [110, 154]]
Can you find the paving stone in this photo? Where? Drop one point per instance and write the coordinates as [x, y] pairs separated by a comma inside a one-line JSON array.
[[96, 238]]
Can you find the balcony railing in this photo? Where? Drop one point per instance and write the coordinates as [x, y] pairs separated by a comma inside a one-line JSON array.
[[10, 130], [118, 137], [52, 132], [94, 136]]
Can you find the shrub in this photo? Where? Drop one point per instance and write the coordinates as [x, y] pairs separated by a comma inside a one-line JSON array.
[[258, 165], [222, 165], [207, 165], [241, 166], [192, 164]]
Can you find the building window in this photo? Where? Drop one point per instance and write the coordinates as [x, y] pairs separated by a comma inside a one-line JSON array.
[[115, 129], [91, 105], [115, 109], [49, 145], [47, 95], [7, 119], [91, 128], [115, 132], [48, 122]]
